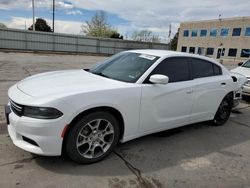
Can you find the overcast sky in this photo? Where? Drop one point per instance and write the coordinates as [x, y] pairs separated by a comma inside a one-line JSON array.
[[124, 15]]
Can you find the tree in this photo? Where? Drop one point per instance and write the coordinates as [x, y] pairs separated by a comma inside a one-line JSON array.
[[174, 41], [116, 35], [99, 27], [145, 36], [2, 25], [41, 25]]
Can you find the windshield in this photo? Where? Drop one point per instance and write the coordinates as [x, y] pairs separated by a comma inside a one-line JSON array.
[[246, 64], [125, 66]]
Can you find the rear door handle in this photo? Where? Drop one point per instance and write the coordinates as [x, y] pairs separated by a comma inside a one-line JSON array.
[[189, 91]]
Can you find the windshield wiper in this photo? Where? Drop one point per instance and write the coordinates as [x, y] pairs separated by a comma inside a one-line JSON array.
[[101, 74]]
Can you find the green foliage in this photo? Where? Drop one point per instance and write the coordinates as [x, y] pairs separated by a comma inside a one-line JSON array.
[[41, 25], [116, 35], [99, 27], [145, 36], [2, 25]]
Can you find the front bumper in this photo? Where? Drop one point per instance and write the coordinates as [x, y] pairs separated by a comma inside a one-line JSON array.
[[42, 137]]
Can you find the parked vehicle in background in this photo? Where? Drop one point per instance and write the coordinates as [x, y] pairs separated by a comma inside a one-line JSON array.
[[244, 69], [131, 94]]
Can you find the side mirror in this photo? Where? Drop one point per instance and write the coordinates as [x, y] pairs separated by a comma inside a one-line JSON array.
[[159, 79], [240, 63]]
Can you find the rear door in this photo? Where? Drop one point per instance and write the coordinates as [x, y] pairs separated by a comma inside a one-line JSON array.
[[209, 89]]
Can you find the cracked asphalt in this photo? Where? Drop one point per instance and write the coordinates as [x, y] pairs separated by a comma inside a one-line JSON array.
[[198, 155]]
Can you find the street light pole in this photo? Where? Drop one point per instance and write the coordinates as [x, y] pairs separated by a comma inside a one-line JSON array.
[[53, 16], [33, 8]]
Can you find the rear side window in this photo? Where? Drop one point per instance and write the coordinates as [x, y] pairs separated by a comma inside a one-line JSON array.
[[175, 68], [202, 68]]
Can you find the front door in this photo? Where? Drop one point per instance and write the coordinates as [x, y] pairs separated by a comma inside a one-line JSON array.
[[167, 106]]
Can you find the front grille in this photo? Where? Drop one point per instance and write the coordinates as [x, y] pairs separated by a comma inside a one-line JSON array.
[[16, 108]]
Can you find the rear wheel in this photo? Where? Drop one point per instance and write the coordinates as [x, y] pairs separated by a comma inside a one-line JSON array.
[[92, 138], [223, 112]]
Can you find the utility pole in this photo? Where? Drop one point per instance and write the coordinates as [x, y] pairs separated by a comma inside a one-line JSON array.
[[53, 24], [169, 36], [33, 8]]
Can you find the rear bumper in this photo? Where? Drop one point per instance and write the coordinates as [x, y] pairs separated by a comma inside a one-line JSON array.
[[237, 98]]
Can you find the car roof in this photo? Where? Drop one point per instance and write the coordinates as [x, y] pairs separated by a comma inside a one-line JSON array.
[[169, 53]]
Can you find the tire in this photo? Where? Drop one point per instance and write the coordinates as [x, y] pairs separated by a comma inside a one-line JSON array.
[[223, 112], [92, 138]]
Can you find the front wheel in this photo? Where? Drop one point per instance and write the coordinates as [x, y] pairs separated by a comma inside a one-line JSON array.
[[92, 138], [223, 112]]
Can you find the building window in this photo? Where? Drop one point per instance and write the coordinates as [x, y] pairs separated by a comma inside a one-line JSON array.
[[203, 33], [236, 31], [192, 50], [247, 33], [185, 33], [213, 32], [245, 53], [232, 52], [183, 49], [201, 50], [210, 51], [194, 33], [224, 32]]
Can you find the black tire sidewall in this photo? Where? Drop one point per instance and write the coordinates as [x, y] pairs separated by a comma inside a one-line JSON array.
[[219, 123], [70, 145]]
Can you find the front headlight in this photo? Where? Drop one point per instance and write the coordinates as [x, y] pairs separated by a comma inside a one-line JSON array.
[[41, 112]]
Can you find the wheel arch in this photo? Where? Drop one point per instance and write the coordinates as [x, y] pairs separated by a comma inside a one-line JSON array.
[[230, 96], [117, 114]]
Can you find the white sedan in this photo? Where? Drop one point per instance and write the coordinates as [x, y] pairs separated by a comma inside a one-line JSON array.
[[244, 69], [132, 94]]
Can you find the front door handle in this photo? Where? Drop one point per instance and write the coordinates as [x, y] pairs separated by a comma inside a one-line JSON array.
[[223, 83]]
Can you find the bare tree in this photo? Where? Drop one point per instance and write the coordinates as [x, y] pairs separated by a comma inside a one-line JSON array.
[[145, 36], [99, 27], [2, 25]]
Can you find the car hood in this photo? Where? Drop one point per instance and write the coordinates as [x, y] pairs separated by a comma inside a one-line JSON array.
[[63, 82], [242, 70]]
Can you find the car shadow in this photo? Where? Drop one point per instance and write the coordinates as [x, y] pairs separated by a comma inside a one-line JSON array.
[[158, 151]]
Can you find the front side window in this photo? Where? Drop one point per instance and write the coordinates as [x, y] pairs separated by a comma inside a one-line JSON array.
[[125, 66], [194, 33], [232, 52], [185, 33], [236, 31], [213, 32], [245, 53], [202, 68], [224, 32], [203, 33], [175, 68], [247, 33]]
